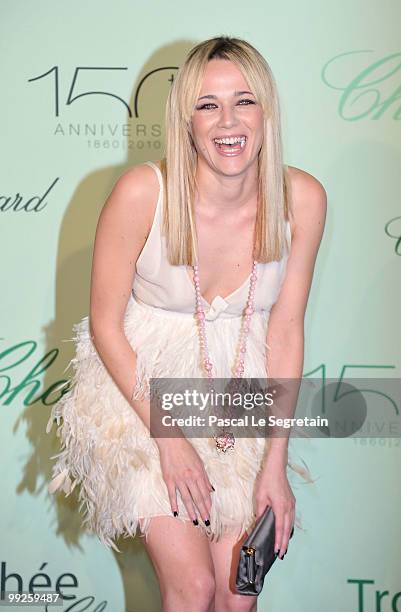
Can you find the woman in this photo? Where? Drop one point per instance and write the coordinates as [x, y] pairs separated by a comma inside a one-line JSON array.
[[220, 200]]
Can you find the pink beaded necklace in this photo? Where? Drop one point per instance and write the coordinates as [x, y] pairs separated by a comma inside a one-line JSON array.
[[225, 440]]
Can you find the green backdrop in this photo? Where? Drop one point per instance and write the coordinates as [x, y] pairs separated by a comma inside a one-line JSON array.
[[82, 98]]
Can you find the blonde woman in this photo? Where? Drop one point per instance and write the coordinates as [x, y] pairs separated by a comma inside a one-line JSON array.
[[199, 260]]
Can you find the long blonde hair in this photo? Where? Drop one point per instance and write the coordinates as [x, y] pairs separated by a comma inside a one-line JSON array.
[[179, 164]]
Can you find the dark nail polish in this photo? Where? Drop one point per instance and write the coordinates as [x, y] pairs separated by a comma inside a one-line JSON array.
[[195, 522], [175, 513], [207, 522], [282, 557], [213, 488]]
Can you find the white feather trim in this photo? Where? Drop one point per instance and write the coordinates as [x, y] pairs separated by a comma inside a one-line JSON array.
[[108, 451]]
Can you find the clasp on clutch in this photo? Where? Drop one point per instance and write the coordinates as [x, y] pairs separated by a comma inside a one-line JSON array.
[[250, 551]]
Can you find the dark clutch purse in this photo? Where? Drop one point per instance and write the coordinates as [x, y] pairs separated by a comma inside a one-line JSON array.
[[257, 555]]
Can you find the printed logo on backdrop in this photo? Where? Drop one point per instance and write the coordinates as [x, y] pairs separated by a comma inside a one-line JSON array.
[[27, 202], [368, 597], [393, 230], [324, 407], [86, 93], [369, 87], [30, 591]]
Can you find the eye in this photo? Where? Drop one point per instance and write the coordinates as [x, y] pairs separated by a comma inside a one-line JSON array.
[[206, 105]]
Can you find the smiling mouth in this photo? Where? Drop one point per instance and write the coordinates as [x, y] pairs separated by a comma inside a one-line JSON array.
[[232, 142]]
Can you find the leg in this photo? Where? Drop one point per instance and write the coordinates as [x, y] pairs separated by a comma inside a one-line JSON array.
[[225, 555], [180, 554]]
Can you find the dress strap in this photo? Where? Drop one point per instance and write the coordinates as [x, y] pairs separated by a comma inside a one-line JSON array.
[[289, 236], [158, 172]]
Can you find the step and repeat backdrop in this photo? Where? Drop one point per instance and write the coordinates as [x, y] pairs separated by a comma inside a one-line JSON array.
[[83, 91]]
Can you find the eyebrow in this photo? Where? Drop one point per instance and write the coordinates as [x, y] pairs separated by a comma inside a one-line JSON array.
[[236, 93]]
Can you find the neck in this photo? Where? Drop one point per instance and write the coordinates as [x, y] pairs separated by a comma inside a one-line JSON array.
[[218, 191]]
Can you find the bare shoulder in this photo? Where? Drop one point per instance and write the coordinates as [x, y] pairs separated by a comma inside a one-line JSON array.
[[309, 201], [134, 196], [123, 227]]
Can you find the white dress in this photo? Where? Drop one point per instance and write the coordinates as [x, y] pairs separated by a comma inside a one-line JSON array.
[[106, 449]]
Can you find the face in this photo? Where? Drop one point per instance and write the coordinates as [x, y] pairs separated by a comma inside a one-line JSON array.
[[227, 122]]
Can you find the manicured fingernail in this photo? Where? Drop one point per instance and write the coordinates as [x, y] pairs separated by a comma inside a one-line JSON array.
[[175, 513], [282, 557], [213, 488], [195, 522], [207, 522]]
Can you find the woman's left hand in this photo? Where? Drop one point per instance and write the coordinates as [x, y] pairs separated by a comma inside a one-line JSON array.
[[273, 489]]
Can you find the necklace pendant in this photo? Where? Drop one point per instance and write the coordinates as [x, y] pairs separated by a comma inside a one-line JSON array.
[[225, 441]]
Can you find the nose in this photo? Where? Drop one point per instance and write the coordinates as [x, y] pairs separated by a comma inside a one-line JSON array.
[[227, 116]]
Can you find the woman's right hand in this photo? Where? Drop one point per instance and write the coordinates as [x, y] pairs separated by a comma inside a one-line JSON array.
[[183, 470]]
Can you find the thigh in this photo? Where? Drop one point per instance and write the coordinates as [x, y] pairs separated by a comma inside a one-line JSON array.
[[225, 556], [180, 554]]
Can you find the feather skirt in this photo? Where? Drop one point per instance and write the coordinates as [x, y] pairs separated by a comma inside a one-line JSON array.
[[106, 450]]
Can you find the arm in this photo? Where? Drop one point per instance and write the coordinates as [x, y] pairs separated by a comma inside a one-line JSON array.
[[285, 333], [285, 337], [123, 226]]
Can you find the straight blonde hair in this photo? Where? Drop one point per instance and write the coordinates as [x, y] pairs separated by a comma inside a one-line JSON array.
[[180, 161]]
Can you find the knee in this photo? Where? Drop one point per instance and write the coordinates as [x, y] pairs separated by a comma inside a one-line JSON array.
[[203, 587], [227, 601], [195, 592]]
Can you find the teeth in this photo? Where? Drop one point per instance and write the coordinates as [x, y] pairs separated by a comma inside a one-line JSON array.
[[231, 141]]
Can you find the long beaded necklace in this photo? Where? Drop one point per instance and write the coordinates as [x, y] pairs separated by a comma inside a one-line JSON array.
[[225, 440]]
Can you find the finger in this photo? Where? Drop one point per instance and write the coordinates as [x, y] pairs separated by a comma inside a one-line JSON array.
[[187, 500], [279, 526], [202, 499], [291, 525], [208, 483], [172, 495], [206, 492], [260, 508], [285, 535]]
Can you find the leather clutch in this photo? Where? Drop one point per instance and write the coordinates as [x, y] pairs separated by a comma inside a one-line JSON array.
[[257, 555]]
